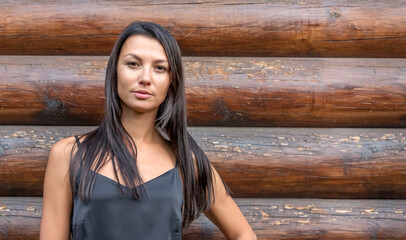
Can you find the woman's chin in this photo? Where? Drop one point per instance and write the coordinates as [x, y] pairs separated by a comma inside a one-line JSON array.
[[144, 110], [140, 108]]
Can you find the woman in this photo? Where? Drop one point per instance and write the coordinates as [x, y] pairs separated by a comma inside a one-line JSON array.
[[139, 175]]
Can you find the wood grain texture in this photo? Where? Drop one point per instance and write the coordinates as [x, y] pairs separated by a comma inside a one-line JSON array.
[[269, 218], [254, 162], [278, 92], [331, 28]]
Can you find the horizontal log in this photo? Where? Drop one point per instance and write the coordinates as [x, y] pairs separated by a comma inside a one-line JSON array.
[[294, 92], [333, 28], [254, 162], [269, 218]]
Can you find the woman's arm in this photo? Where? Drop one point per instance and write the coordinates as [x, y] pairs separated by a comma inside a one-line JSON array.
[[57, 198], [226, 215]]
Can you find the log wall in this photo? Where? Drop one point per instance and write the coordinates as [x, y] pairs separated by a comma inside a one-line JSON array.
[[300, 92], [270, 219], [258, 75], [254, 162], [331, 28]]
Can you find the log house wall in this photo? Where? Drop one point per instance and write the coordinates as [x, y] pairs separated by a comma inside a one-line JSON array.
[[258, 75]]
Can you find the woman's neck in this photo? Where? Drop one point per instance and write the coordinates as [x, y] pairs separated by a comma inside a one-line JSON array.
[[140, 126]]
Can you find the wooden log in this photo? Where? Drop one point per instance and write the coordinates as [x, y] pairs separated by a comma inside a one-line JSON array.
[[294, 92], [254, 162], [269, 218], [333, 28]]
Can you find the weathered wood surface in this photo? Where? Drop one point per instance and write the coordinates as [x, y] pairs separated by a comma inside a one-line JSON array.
[[315, 92], [332, 28], [254, 162], [269, 218]]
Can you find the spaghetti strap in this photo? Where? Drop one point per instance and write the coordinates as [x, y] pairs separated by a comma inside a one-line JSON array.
[[77, 140], [81, 159]]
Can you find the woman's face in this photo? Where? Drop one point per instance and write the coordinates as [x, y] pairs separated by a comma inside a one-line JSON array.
[[143, 76]]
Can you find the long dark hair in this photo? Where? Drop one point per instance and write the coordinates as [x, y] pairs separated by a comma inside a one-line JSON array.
[[111, 141]]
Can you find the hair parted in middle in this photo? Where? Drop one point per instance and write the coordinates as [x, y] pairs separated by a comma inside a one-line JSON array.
[[110, 141]]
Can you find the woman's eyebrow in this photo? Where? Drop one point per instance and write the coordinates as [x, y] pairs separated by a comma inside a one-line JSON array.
[[132, 55], [160, 61], [139, 59]]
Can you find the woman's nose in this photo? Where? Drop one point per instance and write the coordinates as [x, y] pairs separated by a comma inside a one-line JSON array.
[[145, 78]]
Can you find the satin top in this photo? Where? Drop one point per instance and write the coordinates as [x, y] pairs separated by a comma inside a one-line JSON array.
[[111, 215]]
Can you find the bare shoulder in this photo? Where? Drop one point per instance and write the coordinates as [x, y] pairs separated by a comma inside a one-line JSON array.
[[59, 156], [57, 197], [63, 146]]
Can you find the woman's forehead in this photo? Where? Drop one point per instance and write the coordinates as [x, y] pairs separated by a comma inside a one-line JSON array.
[[143, 47]]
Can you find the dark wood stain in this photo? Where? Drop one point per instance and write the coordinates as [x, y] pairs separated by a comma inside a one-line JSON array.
[[254, 162], [336, 28], [253, 69], [258, 92], [270, 219]]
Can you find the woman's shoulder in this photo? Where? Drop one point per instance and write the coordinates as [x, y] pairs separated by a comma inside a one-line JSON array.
[[64, 145], [61, 152]]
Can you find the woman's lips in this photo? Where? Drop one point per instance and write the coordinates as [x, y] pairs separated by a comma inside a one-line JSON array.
[[142, 94]]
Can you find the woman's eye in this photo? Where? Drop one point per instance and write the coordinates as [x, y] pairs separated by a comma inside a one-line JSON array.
[[161, 68], [132, 64]]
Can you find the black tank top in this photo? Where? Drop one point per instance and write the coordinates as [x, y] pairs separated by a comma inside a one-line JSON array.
[[111, 215]]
